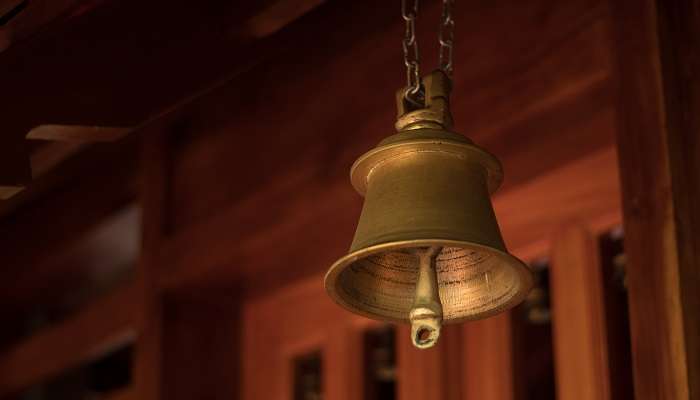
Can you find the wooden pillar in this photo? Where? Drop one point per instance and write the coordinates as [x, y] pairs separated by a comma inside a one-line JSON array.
[[344, 363], [658, 47], [488, 359], [200, 346], [578, 316], [148, 355], [189, 342], [432, 373]]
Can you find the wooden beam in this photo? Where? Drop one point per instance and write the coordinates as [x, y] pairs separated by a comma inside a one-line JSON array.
[[586, 189], [42, 160], [573, 108], [31, 16], [528, 215], [659, 146], [78, 133], [76, 91], [278, 15], [101, 326], [106, 184], [578, 316]]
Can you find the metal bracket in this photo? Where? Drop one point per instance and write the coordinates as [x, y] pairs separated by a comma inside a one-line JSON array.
[[434, 113]]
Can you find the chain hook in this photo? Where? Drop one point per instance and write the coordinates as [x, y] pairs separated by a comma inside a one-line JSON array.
[[413, 92], [410, 49], [446, 37]]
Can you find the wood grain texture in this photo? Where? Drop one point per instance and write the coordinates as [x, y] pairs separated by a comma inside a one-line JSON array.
[[657, 47], [679, 33], [578, 316], [102, 326]]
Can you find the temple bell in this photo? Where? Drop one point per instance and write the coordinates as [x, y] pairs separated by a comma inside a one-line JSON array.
[[427, 249]]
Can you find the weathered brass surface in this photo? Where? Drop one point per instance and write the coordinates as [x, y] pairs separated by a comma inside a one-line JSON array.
[[427, 248]]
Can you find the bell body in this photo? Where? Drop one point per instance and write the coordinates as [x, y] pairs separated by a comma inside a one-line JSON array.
[[427, 188]]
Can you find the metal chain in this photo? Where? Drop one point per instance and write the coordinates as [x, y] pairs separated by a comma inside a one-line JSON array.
[[410, 47], [409, 12], [446, 37]]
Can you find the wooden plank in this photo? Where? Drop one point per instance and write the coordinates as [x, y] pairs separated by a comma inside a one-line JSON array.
[[659, 146], [104, 325], [578, 316], [488, 365], [78, 133]]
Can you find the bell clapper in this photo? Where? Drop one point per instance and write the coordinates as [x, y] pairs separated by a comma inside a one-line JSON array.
[[426, 313]]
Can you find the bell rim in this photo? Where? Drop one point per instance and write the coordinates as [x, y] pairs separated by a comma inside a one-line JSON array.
[[363, 166], [333, 273]]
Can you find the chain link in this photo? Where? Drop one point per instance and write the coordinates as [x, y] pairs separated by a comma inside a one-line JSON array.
[[447, 35], [409, 12], [410, 47]]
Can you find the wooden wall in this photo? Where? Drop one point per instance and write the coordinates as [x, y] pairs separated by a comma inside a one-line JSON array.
[[245, 201]]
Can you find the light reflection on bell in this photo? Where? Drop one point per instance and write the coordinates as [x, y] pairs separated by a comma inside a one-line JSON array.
[[427, 208]]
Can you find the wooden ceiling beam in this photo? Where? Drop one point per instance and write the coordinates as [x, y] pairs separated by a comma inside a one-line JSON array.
[[87, 69], [354, 110], [85, 191], [569, 116], [23, 18]]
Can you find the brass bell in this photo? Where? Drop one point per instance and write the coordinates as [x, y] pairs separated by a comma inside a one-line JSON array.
[[427, 249]]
